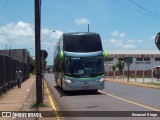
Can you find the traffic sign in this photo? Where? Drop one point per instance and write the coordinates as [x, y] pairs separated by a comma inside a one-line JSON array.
[[128, 64], [44, 54], [157, 40], [129, 60]]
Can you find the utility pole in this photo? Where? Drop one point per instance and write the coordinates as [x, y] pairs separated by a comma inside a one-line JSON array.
[[128, 65], [38, 52]]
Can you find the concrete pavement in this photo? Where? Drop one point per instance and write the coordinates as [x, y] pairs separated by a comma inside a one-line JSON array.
[[21, 99]]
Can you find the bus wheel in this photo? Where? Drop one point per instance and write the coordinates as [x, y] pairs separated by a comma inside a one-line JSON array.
[[62, 86], [55, 79], [4, 90]]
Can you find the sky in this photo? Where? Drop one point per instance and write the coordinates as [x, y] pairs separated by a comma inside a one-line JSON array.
[[121, 24]]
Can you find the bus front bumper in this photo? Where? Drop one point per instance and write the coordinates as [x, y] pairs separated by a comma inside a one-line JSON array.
[[83, 85]]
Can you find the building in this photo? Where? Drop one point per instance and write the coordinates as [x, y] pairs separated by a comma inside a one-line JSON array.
[[142, 60], [17, 54]]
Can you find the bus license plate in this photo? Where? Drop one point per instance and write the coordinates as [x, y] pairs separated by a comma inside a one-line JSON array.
[[85, 87]]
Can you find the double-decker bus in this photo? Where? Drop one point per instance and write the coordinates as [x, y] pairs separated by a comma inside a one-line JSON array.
[[79, 61]]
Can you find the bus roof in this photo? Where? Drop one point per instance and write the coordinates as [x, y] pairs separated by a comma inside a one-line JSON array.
[[81, 33], [82, 42]]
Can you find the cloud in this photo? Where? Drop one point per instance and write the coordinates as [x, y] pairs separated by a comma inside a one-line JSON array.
[[134, 41], [131, 41], [45, 31], [139, 40], [22, 34], [3, 40], [81, 21], [129, 46], [114, 42], [119, 44], [17, 34], [19, 29], [153, 37], [118, 34]]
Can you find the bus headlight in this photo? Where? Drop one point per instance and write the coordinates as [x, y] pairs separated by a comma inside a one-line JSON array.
[[100, 80], [68, 81]]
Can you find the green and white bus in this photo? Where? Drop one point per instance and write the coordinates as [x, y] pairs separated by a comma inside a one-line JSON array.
[[79, 61]]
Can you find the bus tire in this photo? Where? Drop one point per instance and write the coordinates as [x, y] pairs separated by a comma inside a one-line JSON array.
[[55, 79], [62, 86], [4, 90]]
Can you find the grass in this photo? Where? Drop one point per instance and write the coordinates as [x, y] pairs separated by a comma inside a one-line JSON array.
[[38, 105], [152, 83], [138, 76]]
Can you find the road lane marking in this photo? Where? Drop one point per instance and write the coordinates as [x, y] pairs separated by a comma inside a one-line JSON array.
[[51, 102], [129, 101]]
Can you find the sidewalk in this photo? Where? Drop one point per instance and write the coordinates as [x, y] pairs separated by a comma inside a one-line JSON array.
[[21, 99]]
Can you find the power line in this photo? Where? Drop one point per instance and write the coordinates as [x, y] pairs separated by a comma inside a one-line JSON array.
[[154, 14], [5, 5]]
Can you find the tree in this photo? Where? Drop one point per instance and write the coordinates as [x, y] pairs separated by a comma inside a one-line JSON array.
[[120, 65], [31, 62], [114, 67]]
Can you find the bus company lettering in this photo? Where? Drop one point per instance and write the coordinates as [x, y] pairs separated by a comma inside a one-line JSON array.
[[134, 55]]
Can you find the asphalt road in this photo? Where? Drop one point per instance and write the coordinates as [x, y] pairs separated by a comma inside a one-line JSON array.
[[116, 97]]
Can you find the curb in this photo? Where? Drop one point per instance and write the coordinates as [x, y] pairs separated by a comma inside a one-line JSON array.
[[134, 83]]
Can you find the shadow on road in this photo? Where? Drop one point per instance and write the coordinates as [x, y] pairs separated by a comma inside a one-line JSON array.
[[76, 93]]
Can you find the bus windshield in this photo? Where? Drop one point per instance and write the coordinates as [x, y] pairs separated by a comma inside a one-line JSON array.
[[83, 66], [82, 43]]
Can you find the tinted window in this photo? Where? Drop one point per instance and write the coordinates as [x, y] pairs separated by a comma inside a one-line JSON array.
[[146, 59], [157, 59], [110, 59], [139, 59], [82, 43]]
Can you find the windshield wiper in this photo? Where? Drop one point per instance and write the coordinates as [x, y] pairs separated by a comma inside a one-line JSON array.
[[68, 74], [77, 74], [93, 74]]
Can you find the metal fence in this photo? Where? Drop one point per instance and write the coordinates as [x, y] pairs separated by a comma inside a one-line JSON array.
[[8, 68], [144, 76]]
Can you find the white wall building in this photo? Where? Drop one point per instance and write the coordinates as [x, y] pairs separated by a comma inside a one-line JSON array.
[[142, 60]]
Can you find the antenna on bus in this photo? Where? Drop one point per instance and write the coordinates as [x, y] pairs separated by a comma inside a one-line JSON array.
[[88, 27]]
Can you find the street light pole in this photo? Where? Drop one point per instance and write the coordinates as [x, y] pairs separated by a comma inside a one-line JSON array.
[[48, 35], [37, 52]]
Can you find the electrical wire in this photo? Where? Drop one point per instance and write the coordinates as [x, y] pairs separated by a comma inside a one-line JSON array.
[[5, 5], [154, 14]]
